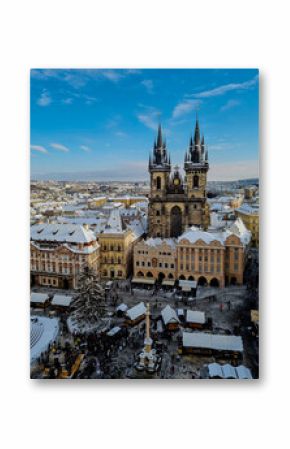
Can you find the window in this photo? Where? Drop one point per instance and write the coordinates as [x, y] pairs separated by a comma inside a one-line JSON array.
[[195, 181], [158, 183], [158, 213]]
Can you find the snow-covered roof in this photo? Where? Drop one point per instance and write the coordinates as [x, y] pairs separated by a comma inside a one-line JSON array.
[[114, 223], [228, 371], [169, 315], [193, 235], [194, 316], [157, 241], [62, 300], [61, 233], [136, 227], [113, 331], [212, 341], [248, 209], [243, 372], [215, 370], [136, 311], [239, 229], [122, 308], [38, 297]]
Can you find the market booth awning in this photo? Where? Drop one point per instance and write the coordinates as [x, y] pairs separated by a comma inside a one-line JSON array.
[[168, 283], [143, 281]]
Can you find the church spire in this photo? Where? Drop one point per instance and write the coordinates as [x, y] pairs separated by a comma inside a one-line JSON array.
[[197, 133], [161, 158], [159, 137]]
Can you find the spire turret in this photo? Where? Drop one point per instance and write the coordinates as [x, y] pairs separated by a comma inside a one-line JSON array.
[[160, 159]]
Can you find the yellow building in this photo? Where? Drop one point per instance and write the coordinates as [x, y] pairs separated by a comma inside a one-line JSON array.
[[250, 216], [127, 200], [155, 259], [60, 252], [116, 244], [97, 202], [215, 259]]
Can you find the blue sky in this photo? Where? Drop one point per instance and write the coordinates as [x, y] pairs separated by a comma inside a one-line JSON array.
[[100, 124]]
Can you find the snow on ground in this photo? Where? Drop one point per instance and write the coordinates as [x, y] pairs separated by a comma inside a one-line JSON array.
[[43, 331]]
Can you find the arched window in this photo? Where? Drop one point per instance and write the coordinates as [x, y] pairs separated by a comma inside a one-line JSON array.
[[158, 183], [140, 274], [214, 282], [195, 181]]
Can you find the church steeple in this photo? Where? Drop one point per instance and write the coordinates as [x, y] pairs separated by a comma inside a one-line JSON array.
[[196, 133], [159, 137], [161, 158]]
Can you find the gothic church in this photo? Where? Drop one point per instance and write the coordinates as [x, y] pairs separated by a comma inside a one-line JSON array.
[[176, 204]]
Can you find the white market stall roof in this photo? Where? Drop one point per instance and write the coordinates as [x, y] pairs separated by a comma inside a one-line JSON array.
[[169, 283], [184, 283], [112, 332], [38, 297], [212, 341], [243, 372], [228, 371], [62, 300], [215, 370], [122, 308], [194, 316], [169, 315], [136, 311], [143, 281]]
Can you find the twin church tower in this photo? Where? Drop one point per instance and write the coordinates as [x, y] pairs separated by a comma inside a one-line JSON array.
[[176, 204]]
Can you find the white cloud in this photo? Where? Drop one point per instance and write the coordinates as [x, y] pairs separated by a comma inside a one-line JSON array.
[[217, 91], [120, 134], [85, 148], [39, 148], [149, 118], [44, 99], [148, 84], [112, 75], [59, 147], [67, 101], [229, 105], [232, 171], [185, 107]]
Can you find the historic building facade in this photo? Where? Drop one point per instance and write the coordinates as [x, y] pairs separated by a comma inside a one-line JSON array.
[[60, 252], [176, 204], [215, 259], [116, 246]]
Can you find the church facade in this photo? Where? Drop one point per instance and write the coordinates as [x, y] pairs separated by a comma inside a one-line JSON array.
[[176, 203]]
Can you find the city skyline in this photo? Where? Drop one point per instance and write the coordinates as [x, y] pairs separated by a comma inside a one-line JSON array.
[[82, 120]]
